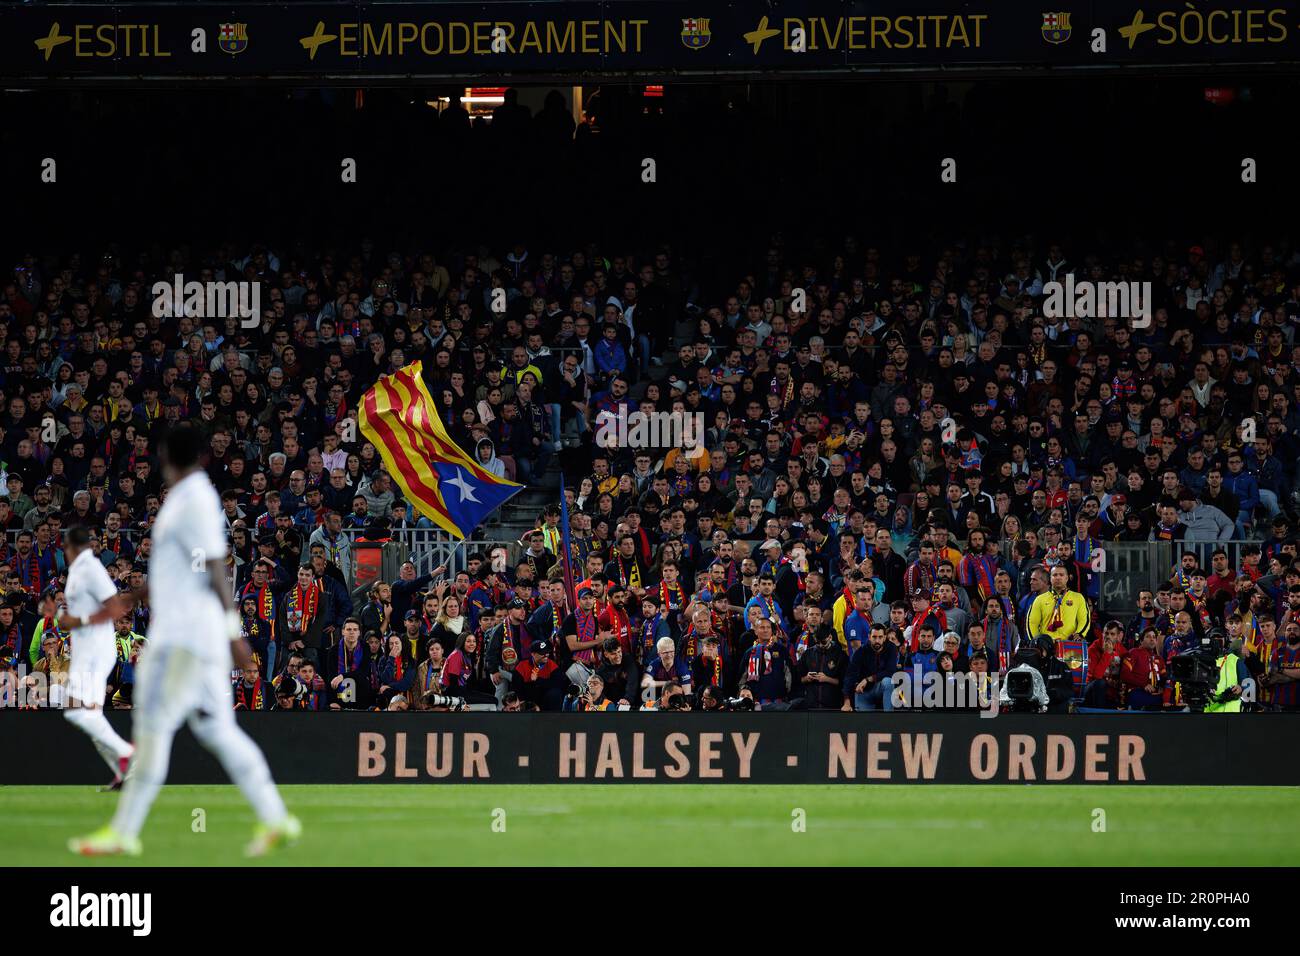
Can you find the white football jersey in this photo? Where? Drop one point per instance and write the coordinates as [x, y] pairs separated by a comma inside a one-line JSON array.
[[188, 532], [89, 586]]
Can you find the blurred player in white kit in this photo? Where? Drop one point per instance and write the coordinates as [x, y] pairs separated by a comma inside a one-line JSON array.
[[94, 652], [195, 638]]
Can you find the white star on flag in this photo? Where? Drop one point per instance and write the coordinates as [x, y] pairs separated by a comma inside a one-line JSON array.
[[464, 487]]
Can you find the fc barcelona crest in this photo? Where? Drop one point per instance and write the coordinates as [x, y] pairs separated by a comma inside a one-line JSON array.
[[695, 32], [232, 38], [1056, 27]]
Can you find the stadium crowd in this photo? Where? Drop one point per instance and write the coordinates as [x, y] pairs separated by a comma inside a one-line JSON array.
[[906, 469]]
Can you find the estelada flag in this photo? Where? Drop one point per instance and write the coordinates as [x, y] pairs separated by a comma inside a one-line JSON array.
[[445, 484]]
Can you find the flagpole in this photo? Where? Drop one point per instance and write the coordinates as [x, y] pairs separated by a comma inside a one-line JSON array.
[[566, 558]]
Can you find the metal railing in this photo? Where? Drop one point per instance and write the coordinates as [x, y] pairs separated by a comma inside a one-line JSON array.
[[1129, 566], [1132, 566], [427, 548], [130, 534]]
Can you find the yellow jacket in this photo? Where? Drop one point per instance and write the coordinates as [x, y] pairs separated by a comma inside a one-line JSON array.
[[840, 611], [948, 554], [1074, 616]]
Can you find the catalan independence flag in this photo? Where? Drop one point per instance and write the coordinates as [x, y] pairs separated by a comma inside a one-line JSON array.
[[444, 483]]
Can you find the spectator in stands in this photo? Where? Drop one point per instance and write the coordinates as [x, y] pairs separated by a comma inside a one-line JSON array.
[[1202, 522], [620, 675], [869, 679], [428, 676], [347, 669], [766, 668], [1105, 667], [448, 624], [921, 405], [313, 694], [396, 673], [538, 680], [252, 691], [664, 668], [822, 671], [465, 674], [303, 616], [1145, 673]]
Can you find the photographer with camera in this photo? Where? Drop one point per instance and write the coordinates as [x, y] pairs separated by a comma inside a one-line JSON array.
[[1232, 676], [1057, 675], [710, 700], [591, 697], [1023, 688], [1040, 682], [514, 704], [1210, 677], [672, 698]]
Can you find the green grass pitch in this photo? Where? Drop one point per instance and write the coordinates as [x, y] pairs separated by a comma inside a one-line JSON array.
[[689, 825]]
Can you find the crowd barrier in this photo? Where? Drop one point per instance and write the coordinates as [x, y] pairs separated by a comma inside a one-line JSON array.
[[785, 748], [1129, 567]]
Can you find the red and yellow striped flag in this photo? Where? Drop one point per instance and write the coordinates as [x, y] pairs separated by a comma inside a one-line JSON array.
[[444, 483]]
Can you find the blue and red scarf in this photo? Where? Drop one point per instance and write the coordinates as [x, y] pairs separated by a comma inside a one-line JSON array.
[[980, 571], [586, 627], [758, 662], [998, 636], [350, 662], [253, 698]]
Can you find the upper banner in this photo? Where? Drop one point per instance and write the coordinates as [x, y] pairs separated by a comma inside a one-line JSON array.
[[651, 38]]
